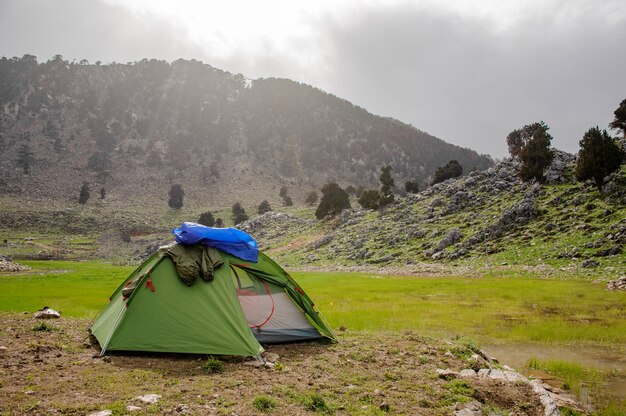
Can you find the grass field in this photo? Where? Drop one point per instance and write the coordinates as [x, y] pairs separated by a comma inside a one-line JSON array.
[[512, 309], [517, 309]]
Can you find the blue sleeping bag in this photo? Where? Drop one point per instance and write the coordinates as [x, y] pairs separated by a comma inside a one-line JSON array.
[[229, 240]]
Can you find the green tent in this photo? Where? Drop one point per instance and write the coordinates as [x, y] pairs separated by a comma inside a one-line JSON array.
[[246, 304]]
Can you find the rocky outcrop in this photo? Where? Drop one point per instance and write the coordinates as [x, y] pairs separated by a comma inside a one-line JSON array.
[[7, 265]]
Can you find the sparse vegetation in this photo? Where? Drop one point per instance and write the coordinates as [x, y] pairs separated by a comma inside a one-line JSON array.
[[334, 200], [452, 169], [369, 199], [264, 207], [536, 154], [176, 196], [239, 213], [264, 403], [83, 196], [206, 218], [411, 187], [598, 157], [212, 365]]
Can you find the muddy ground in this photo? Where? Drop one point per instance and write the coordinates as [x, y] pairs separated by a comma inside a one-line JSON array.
[[48, 368]]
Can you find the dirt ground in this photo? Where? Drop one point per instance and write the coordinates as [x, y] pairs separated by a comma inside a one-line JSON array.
[[48, 368]]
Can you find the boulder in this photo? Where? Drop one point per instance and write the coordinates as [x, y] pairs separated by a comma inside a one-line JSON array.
[[453, 237], [46, 313]]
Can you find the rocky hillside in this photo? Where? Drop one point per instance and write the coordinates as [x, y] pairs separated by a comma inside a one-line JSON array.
[[134, 129], [488, 217], [483, 219]]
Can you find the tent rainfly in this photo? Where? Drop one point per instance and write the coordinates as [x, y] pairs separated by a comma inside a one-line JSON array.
[[242, 299]]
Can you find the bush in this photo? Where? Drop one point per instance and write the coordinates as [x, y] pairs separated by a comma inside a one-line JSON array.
[[83, 197], [334, 200], [411, 187], [176, 195], [369, 199], [239, 214], [212, 365], [536, 156], [286, 199], [598, 156], [452, 169], [264, 207], [316, 403], [386, 189], [206, 218], [264, 403]]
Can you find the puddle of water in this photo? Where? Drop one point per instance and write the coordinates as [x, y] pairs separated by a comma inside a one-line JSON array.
[[516, 356]]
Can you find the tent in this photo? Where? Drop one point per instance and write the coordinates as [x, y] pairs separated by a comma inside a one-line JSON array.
[[250, 300]]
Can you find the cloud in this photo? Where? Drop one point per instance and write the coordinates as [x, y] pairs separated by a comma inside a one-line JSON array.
[[467, 80]]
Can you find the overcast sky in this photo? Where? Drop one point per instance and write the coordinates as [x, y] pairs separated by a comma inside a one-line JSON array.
[[468, 72]]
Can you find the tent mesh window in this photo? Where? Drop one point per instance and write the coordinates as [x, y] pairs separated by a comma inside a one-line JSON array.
[[255, 297]]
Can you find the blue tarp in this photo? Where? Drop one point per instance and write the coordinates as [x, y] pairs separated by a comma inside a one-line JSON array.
[[229, 240]]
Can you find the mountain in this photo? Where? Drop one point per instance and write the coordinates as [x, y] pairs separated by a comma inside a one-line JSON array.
[[135, 129]]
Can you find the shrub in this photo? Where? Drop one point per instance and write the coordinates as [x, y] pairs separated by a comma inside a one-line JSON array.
[[536, 155], [83, 197], [206, 218], [334, 200], [598, 156], [239, 214], [176, 195], [264, 207], [264, 403], [386, 189], [411, 187], [452, 169], [316, 403], [212, 365], [369, 199]]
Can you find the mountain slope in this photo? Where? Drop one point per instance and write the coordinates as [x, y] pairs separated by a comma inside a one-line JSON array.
[[136, 128], [485, 218]]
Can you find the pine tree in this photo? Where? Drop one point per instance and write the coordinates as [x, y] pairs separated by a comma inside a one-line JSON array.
[[536, 155], [239, 214], [206, 218], [334, 200], [369, 199], [411, 187], [517, 139], [25, 158], [102, 193], [264, 207], [386, 189], [452, 169], [598, 156], [286, 199], [176, 195], [619, 122], [83, 197]]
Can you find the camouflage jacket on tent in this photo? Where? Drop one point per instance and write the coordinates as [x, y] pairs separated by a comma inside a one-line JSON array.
[[194, 261]]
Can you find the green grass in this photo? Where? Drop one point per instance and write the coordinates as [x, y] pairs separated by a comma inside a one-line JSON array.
[[584, 382], [573, 375], [264, 403], [513, 309], [212, 365], [76, 288]]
